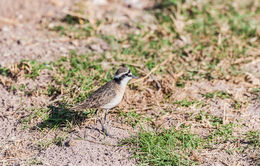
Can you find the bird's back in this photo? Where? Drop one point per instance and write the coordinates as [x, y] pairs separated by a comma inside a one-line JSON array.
[[100, 97]]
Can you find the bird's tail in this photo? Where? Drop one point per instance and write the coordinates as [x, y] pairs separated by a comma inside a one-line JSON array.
[[78, 107]]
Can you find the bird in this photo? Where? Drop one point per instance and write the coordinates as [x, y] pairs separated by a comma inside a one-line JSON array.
[[108, 96]]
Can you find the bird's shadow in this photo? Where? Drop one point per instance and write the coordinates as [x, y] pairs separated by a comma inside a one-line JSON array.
[[60, 116]]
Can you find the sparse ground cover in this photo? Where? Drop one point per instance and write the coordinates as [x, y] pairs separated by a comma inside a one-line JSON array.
[[196, 102]]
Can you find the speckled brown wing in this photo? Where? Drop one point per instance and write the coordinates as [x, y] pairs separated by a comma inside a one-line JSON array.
[[98, 98]]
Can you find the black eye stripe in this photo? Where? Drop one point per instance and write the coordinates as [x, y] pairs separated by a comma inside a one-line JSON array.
[[127, 74], [123, 75]]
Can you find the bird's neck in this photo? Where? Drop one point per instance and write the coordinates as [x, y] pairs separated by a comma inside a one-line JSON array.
[[122, 82]]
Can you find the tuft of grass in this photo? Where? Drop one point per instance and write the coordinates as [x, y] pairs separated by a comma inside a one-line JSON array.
[[60, 29], [253, 138], [71, 20], [131, 118], [46, 143], [134, 119], [208, 95], [5, 71], [59, 141], [169, 147], [32, 68], [220, 94], [34, 161], [223, 95], [77, 32], [223, 133], [175, 147], [185, 103], [216, 121]]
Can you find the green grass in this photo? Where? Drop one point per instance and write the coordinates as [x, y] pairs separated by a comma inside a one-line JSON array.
[[44, 144], [32, 68], [169, 147], [175, 147], [219, 94], [208, 95], [253, 138], [131, 118], [34, 162], [5, 71], [222, 134], [187, 103]]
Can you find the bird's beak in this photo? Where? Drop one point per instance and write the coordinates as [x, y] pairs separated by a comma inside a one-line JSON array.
[[134, 76]]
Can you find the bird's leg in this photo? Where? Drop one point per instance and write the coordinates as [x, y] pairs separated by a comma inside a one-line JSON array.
[[105, 117], [104, 124], [98, 119]]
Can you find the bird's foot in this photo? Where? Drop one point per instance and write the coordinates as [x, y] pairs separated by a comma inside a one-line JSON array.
[[104, 130]]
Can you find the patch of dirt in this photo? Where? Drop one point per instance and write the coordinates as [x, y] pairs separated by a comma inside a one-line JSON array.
[[23, 36], [15, 12], [89, 147], [15, 142], [253, 68], [213, 158], [120, 18], [26, 42]]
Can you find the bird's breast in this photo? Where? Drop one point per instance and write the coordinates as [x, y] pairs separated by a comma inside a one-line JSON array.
[[115, 100]]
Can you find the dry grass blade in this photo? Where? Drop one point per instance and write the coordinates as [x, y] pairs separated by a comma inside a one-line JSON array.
[[74, 14], [154, 78], [9, 21], [243, 60], [154, 69]]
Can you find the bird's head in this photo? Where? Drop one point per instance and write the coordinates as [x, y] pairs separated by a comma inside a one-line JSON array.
[[123, 75]]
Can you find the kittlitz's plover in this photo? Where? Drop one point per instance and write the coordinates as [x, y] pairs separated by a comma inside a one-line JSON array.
[[109, 95]]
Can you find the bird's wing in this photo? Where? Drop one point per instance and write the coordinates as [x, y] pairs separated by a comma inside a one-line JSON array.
[[98, 98]]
